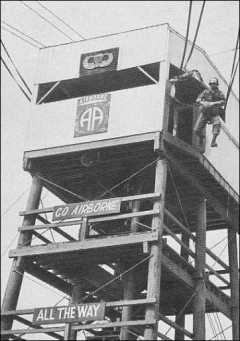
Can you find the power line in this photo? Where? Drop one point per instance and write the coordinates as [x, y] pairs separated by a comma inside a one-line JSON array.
[[56, 16], [235, 54], [10, 73], [15, 67], [231, 83], [45, 19], [187, 33], [196, 33], [16, 35], [24, 34]]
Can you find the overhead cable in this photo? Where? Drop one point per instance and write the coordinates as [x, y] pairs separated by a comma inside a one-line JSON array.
[[15, 80], [56, 16], [18, 36], [14, 202], [231, 84], [235, 54], [24, 34], [187, 33], [196, 34], [15, 67], [45, 19]]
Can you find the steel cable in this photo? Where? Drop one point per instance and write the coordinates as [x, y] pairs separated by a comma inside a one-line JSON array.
[[15, 80], [187, 33], [46, 20], [196, 34], [24, 34], [60, 19], [15, 67]]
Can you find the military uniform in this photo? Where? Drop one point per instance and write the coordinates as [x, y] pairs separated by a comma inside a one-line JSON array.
[[209, 115]]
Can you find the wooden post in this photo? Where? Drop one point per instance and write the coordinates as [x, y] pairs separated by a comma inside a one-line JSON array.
[[77, 294], [180, 320], [234, 281], [17, 270], [199, 303], [83, 231], [129, 284], [154, 266]]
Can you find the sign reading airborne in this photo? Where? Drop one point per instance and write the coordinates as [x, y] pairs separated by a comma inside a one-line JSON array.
[[70, 313], [99, 61], [92, 115], [86, 208]]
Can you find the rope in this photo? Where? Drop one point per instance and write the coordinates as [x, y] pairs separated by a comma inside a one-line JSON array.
[[62, 188], [235, 54], [183, 309], [211, 324], [8, 246], [48, 21], [128, 178], [221, 329], [187, 33], [14, 202], [230, 84], [15, 67], [212, 247], [15, 80], [221, 332], [56, 16], [24, 34], [220, 254], [47, 219], [116, 278], [178, 197], [196, 33], [16, 35]]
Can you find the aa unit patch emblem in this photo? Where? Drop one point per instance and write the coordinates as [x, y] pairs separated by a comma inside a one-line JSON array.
[[92, 114], [97, 62]]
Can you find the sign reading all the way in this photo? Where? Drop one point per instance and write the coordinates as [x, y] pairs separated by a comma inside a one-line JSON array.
[[71, 313]]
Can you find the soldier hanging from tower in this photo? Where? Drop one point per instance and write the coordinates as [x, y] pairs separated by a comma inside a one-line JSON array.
[[211, 103]]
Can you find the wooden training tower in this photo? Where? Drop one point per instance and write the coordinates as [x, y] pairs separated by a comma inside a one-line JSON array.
[[112, 138]]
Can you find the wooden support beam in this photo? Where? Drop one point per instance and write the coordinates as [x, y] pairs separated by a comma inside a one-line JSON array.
[[112, 304], [96, 243], [56, 229], [183, 245], [16, 273], [146, 196], [234, 282], [81, 327], [180, 319], [77, 294], [230, 216], [30, 324], [42, 238], [48, 278], [199, 301], [186, 231], [175, 325], [213, 295], [154, 266], [90, 220], [93, 145], [129, 282]]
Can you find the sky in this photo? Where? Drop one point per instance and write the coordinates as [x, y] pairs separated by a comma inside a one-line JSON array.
[[217, 36]]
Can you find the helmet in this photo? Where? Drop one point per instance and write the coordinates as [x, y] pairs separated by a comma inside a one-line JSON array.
[[213, 80]]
